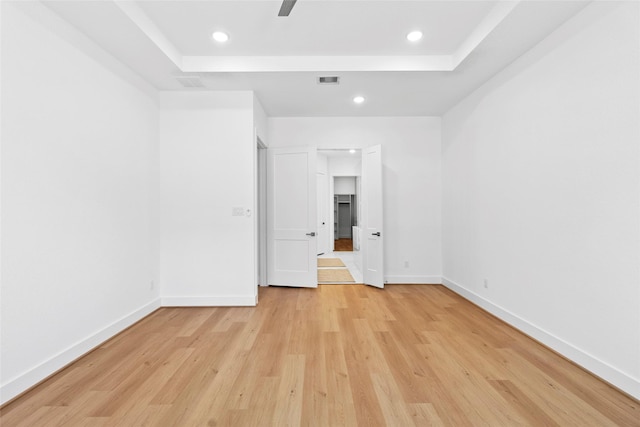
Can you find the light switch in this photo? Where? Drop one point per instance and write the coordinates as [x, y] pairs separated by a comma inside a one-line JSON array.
[[237, 211]]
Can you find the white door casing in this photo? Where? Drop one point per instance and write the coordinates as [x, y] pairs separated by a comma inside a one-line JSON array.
[[323, 213], [291, 219], [372, 221]]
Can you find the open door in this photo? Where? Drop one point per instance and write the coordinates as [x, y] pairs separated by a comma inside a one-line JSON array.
[[291, 220], [372, 237]]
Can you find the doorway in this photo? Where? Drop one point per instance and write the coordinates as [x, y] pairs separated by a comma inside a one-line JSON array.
[[292, 215], [340, 205], [345, 212]]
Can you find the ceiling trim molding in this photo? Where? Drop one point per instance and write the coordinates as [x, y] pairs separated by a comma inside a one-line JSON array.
[[337, 63], [495, 16], [39, 12], [150, 29], [315, 63]]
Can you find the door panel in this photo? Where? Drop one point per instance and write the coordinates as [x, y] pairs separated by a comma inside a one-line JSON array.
[[291, 255], [372, 220], [291, 219]]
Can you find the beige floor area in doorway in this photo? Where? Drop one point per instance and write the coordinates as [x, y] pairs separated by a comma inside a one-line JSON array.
[[348, 258], [334, 276]]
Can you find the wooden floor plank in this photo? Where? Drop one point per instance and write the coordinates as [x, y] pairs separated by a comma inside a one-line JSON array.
[[314, 396], [394, 408], [339, 396], [340, 355], [525, 406], [424, 414], [367, 407], [288, 410]]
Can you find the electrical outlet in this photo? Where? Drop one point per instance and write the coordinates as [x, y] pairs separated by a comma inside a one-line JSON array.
[[486, 284], [406, 264]]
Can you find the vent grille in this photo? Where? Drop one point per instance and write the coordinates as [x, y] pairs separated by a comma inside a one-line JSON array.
[[329, 80], [190, 81]]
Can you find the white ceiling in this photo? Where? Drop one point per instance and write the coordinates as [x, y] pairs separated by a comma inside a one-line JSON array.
[[362, 41], [316, 27]]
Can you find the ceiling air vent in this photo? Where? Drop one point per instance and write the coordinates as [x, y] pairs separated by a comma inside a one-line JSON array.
[[190, 81], [329, 80]]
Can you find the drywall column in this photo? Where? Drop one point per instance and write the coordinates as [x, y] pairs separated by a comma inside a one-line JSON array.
[[207, 185]]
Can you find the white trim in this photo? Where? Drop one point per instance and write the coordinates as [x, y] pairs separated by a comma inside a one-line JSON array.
[[411, 280], [490, 22], [2, 393], [219, 301], [598, 367], [283, 63], [151, 30], [28, 379]]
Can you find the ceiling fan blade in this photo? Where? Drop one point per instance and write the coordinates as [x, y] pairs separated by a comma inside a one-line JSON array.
[[286, 7]]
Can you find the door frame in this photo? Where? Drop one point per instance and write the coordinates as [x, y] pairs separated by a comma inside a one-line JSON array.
[[261, 212], [261, 232]]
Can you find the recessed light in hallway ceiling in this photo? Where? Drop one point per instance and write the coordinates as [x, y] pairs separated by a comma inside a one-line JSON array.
[[220, 37], [358, 99], [414, 36]]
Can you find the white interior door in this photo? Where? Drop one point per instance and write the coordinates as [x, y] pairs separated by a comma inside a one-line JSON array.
[[291, 218], [372, 237]]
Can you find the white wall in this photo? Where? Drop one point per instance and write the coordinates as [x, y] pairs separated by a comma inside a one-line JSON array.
[[207, 165], [346, 165], [411, 181], [79, 146], [541, 179], [344, 185]]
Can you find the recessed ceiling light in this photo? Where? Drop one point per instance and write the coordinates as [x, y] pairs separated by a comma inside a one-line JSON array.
[[352, 151], [358, 99], [414, 36], [220, 37]]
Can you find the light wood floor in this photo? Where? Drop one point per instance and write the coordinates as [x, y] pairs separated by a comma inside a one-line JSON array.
[[337, 355], [343, 245]]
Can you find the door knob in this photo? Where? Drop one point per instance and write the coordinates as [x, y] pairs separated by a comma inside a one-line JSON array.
[[313, 233], [376, 234]]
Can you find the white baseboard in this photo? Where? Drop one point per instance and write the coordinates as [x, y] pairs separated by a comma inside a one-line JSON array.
[[226, 301], [411, 280], [599, 368], [23, 382]]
